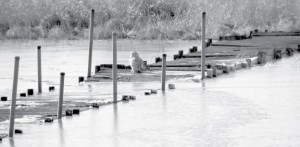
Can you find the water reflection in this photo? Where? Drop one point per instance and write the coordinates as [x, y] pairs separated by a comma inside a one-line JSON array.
[[164, 100], [61, 133], [115, 126], [12, 142], [203, 84]]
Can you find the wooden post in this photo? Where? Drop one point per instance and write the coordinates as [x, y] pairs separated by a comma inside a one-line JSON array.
[[203, 47], [39, 69], [61, 95], [163, 77], [114, 71], [91, 43], [13, 98]]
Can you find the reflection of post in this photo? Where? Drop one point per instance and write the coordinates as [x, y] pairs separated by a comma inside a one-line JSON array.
[[114, 71], [203, 47], [91, 43], [13, 98], [115, 126], [163, 77], [39, 69], [61, 95], [12, 142]]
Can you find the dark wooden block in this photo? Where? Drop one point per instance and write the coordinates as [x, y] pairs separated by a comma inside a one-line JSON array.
[[18, 131], [195, 48], [158, 59], [76, 111], [69, 112], [95, 105], [180, 53], [51, 88], [80, 79], [132, 97], [22, 94], [29, 92], [97, 68], [125, 98], [48, 119], [191, 50], [153, 91], [3, 98], [176, 57]]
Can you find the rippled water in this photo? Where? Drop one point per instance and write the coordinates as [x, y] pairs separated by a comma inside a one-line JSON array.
[[250, 107]]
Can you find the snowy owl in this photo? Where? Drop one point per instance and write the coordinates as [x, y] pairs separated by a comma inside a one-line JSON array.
[[136, 63]]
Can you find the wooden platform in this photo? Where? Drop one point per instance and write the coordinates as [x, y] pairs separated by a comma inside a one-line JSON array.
[[228, 53]]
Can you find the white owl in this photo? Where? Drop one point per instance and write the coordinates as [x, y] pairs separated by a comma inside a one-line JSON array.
[[136, 63]]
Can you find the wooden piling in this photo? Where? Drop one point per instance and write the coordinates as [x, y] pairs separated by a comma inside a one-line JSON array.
[[61, 95], [39, 58], [91, 43], [13, 98], [163, 77], [114, 71], [203, 47]]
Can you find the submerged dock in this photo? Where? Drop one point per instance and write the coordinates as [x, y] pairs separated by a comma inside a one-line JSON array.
[[226, 55]]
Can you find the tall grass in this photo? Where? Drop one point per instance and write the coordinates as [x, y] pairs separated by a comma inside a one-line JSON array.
[[143, 19]]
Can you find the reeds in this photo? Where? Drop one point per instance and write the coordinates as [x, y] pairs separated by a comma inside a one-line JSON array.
[[144, 19]]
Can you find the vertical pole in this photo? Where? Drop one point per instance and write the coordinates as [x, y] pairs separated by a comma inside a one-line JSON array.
[[13, 98], [203, 47], [91, 43], [163, 77], [61, 95], [114, 71], [39, 69]]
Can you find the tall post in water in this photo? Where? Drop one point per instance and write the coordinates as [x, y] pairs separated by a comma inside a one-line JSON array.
[[203, 47], [91, 43], [13, 98], [163, 77], [39, 69], [114, 71], [61, 95]]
